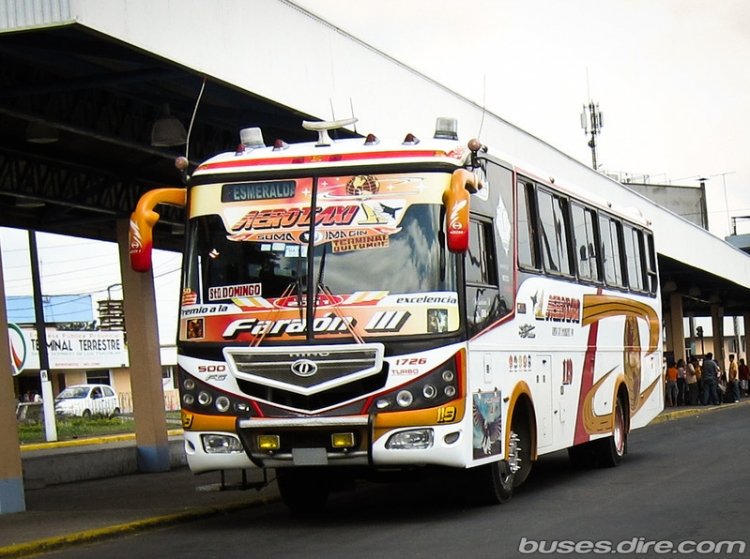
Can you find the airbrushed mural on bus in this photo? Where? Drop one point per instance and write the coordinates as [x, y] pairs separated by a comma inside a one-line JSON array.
[[359, 305]]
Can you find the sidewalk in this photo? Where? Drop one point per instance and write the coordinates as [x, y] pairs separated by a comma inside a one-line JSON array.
[[71, 513]]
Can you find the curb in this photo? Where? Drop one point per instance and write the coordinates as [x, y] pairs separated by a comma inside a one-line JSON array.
[[46, 545], [695, 411], [89, 441]]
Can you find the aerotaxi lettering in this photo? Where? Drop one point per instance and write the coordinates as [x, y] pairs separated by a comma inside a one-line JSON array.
[[284, 218]]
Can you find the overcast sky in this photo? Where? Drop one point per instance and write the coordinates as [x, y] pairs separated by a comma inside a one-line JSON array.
[[670, 77]]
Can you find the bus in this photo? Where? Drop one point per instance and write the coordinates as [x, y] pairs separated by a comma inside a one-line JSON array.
[[354, 306]]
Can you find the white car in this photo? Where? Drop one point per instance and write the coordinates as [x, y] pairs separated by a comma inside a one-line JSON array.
[[85, 400]]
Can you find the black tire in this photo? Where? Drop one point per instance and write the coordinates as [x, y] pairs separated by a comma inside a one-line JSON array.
[[115, 412], [492, 484], [86, 413], [304, 491], [610, 451]]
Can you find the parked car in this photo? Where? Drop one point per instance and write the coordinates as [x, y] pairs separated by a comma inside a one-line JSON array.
[[85, 400]]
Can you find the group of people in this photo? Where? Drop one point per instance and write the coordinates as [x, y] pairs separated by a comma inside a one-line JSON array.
[[694, 382]]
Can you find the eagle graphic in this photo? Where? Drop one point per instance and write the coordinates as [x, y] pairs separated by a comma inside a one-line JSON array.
[[487, 422]]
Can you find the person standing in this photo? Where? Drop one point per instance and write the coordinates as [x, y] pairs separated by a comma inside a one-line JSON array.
[[681, 383], [710, 376], [734, 382], [744, 373], [691, 377], [671, 384]]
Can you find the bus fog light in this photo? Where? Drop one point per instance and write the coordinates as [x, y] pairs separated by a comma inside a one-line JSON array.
[[188, 399], [413, 439], [342, 440], [448, 375], [450, 391], [189, 384], [221, 444], [451, 438], [204, 398], [404, 399], [268, 442]]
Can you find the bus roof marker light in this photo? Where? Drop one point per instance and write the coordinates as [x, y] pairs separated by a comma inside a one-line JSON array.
[[252, 138], [410, 140], [279, 145], [446, 128], [372, 140]]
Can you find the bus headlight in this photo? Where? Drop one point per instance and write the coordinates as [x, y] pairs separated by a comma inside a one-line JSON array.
[[221, 444], [413, 439]]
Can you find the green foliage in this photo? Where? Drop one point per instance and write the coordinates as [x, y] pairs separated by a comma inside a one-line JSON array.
[[71, 428], [76, 428]]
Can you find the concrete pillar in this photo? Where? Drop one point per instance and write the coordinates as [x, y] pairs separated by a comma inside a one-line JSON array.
[[744, 339], [139, 305], [676, 329], [11, 472], [717, 327]]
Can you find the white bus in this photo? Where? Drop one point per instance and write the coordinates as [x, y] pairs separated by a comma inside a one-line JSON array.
[[359, 305]]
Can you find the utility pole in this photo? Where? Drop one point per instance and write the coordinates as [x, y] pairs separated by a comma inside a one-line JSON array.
[[591, 121]]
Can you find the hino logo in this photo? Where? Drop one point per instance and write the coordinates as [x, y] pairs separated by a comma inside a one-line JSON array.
[[311, 354], [304, 368]]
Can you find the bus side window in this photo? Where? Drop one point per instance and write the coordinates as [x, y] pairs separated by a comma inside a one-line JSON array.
[[527, 251], [611, 251], [554, 233], [483, 304], [650, 260], [584, 227], [634, 258]]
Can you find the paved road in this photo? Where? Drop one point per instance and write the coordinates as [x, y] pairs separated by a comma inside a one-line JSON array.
[[682, 480]]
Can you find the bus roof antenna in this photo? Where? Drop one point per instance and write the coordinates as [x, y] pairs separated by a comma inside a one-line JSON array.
[[324, 126]]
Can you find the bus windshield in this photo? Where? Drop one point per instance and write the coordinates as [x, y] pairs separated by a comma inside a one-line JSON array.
[[378, 259]]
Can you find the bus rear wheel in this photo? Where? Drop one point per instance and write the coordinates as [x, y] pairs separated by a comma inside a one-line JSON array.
[[610, 451], [304, 491]]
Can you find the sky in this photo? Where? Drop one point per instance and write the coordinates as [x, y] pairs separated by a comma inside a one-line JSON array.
[[670, 77]]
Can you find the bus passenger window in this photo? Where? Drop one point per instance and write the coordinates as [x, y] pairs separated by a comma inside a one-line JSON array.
[[611, 251], [483, 304], [526, 252], [583, 238], [554, 235], [633, 252]]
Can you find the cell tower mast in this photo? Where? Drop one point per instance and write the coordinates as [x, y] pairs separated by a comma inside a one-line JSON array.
[[591, 122]]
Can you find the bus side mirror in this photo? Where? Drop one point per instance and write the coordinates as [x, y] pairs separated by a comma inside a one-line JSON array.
[[142, 221], [456, 202]]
